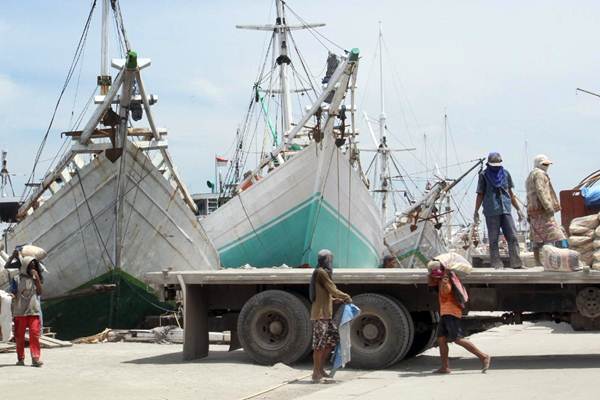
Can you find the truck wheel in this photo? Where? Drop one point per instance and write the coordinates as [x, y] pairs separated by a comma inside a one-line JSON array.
[[274, 326], [425, 332], [382, 333]]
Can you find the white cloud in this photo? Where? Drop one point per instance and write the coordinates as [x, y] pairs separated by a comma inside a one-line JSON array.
[[205, 89]]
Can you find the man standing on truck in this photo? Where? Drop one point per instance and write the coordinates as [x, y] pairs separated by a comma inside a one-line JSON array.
[[542, 203], [449, 328], [322, 292], [494, 191]]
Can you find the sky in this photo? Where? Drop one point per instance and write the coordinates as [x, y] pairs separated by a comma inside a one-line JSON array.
[[504, 73]]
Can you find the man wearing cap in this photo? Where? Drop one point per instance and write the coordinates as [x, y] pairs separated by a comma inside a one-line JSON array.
[[494, 191], [542, 203], [27, 289]]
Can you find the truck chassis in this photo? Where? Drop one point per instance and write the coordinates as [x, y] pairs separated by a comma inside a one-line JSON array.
[[268, 313]]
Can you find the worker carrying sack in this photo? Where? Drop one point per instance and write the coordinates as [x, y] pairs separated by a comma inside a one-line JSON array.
[[453, 262], [33, 251]]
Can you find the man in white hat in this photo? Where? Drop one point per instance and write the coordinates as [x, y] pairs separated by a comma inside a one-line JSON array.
[[27, 289], [542, 203]]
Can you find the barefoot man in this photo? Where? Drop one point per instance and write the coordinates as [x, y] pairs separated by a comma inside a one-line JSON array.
[[322, 293], [449, 328]]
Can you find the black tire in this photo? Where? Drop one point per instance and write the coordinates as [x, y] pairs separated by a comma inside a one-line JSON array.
[[382, 333], [274, 326], [425, 323], [308, 349]]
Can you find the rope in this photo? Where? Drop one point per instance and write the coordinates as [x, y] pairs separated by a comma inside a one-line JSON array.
[[313, 31], [320, 205], [74, 61], [92, 218]]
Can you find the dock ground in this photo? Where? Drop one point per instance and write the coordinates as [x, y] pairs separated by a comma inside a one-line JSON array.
[[533, 361]]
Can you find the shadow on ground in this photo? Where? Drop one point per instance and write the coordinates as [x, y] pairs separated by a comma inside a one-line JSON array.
[[423, 366], [214, 357]]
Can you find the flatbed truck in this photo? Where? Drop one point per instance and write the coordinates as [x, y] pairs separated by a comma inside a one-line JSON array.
[[268, 313]]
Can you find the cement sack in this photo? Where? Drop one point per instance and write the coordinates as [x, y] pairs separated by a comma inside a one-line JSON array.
[[587, 222], [596, 266], [596, 244], [33, 251], [581, 241], [586, 258], [563, 260], [5, 316], [596, 256], [597, 233], [581, 231], [455, 262]]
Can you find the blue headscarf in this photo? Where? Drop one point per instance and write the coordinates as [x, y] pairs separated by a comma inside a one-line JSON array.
[[495, 175]]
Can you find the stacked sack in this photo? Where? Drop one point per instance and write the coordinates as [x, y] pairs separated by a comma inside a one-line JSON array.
[[585, 239]]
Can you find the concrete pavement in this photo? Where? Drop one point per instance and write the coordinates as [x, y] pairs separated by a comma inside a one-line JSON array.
[[530, 361]]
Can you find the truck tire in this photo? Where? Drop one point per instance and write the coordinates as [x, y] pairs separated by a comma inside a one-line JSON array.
[[425, 323], [274, 326], [382, 333]]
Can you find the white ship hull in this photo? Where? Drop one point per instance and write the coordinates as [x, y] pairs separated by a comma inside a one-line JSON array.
[[76, 226], [313, 201]]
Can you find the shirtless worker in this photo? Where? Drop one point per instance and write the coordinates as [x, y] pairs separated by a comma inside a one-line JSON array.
[[449, 327], [323, 293]]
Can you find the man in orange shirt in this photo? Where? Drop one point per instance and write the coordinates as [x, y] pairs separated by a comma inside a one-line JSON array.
[[449, 327]]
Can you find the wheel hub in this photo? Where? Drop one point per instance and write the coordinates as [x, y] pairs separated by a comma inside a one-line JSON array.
[[370, 331], [588, 302], [276, 327], [271, 329]]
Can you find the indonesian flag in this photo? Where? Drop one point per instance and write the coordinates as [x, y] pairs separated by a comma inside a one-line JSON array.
[[220, 161]]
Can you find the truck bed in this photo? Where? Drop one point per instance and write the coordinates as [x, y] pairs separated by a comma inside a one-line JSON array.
[[535, 275]]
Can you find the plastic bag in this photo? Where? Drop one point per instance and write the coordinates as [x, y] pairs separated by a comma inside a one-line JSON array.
[[591, 196], [555, 259], [455, 262]]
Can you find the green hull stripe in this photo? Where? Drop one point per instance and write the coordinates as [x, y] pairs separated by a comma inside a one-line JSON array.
[[290, 239], [417, 252]]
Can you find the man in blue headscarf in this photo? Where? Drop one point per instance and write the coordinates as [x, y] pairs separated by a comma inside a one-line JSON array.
[[494, 191]]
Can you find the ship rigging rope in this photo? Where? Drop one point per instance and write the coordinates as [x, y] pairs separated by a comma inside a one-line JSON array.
[[85, 250], [321, 198], [116, 6], [76, 57], [99, 235], [313, 31]]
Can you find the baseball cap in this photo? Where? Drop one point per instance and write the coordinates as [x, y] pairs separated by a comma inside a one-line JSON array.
[[494, 159]]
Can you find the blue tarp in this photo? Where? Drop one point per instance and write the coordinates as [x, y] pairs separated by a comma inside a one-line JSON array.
[[591, 196], [342, 350]]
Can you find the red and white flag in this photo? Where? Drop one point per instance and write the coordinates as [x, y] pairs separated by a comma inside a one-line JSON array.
[[221, 161]]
